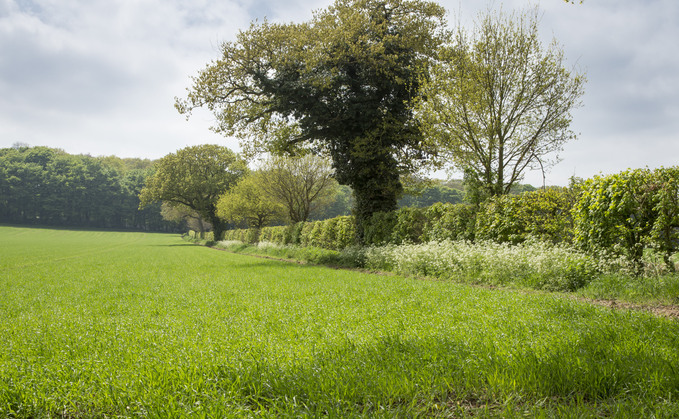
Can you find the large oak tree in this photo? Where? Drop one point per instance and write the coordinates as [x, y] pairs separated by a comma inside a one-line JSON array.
[[341, 84]]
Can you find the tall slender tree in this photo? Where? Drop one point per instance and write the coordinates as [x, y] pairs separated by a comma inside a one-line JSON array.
[[302, 185], [499, 102]]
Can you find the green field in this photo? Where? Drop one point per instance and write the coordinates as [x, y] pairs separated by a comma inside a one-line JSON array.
[[102, 324]]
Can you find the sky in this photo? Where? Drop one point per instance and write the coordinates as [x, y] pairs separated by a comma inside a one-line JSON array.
[[100, 77]]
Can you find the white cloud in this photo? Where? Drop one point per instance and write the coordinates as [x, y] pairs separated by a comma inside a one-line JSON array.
[[90, 76]]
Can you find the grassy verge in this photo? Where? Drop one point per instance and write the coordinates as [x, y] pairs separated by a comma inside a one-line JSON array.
[[658, 290], [532, 265], [127, 324]]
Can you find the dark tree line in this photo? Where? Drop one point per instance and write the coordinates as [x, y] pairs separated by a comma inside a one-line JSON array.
[[46, 186]]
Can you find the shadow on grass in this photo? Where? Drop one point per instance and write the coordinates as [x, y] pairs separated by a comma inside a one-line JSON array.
[[588, 371]]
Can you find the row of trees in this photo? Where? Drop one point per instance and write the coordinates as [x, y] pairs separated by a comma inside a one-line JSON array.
[[46, 186], [214, 184], [211, 187], [383, 88]]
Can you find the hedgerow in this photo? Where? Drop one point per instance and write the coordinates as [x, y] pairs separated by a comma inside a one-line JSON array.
[[621, 220], [545, 214], [542, 214], [630, 212], [335, 234], [449, 222]]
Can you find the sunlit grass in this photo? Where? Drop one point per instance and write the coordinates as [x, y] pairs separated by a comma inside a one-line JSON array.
[[128, 324], [662, 289]]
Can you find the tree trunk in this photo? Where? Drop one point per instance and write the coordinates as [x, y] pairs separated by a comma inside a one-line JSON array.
[[378, 195], [218, 227]]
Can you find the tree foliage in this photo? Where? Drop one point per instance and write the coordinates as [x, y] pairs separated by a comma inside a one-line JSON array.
[[498, 102], [341, 84], [195, 177], [46, 186], [630, 211], [544, 214], [426, 193], [340, 205], [181, 214], [249, 203], [302, 185]]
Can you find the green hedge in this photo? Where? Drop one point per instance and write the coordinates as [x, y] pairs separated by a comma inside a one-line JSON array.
[[629, 212], [625, 214], [449, 222], [240, 234], [195, 235], [545, 214], [419, 225], [334, 233], [407, 225], [378, 229]]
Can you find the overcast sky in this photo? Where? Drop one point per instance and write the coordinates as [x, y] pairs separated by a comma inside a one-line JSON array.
[[99, 77]]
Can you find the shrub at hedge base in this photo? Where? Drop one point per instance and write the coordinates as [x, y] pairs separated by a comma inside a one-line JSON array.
[[533, 264]]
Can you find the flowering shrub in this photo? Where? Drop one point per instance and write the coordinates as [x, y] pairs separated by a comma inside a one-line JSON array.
[[533, 264]]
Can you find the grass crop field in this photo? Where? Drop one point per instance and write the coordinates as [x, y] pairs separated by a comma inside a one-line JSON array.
[[104, 324]]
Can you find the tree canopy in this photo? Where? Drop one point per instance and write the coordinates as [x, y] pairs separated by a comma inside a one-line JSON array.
[[249, 203], [302, 185], [195, 177], [47, 186], [498, 102], [341, 84]]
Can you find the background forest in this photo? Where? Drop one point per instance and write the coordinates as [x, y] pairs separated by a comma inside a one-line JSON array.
[[46, 186], [49, 187]]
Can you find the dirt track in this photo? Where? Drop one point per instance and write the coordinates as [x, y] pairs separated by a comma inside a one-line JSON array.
[[658, 310]]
